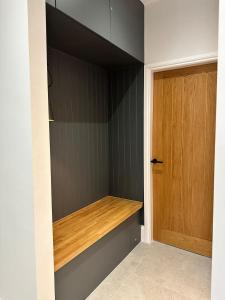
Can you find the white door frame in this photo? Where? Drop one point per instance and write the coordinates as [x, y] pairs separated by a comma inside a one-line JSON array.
[[150, 69]]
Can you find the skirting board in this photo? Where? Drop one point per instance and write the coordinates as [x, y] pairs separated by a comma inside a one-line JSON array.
[[144, 238]]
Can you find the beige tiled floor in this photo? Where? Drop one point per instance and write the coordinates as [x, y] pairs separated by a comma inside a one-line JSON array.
[[157, 272]]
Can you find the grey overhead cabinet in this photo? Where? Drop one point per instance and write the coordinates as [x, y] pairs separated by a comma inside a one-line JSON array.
[[119, 21], [51, 2], [94, 14], [127, 26]]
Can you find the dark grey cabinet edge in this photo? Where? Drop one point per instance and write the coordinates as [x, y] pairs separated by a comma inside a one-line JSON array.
[[51, 2]]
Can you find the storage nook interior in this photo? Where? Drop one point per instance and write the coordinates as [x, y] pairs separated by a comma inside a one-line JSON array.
[[96, 84]]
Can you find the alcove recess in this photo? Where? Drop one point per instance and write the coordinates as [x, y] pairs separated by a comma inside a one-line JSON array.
[[96, 101]]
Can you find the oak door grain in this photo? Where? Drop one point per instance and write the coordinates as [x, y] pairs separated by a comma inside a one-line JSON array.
[[184, 139]]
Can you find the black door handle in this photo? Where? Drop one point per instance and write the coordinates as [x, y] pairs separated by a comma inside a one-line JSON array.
[[156, 161]]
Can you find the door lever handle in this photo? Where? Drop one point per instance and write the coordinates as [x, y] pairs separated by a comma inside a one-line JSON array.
[[156, 161]]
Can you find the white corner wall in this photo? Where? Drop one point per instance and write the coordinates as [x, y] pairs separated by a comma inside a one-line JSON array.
[[26, 250], [218, 261], [179, 29]]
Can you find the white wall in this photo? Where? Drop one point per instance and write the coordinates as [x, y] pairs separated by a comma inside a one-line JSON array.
[[26, 252], [218, 267], [176, 29], [194, 24]]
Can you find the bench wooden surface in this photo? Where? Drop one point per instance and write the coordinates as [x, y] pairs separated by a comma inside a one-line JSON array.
[[78, 231]]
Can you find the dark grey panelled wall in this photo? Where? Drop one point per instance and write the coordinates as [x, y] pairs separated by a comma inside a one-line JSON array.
[[79, 135], [96, 150], [97, 136], [126, 132]]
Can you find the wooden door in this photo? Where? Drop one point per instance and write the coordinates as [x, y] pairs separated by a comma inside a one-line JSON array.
[[184, 139]]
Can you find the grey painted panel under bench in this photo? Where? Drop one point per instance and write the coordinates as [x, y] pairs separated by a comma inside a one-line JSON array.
[[127, 26], [93, 14], [79, 135], [80, 277]]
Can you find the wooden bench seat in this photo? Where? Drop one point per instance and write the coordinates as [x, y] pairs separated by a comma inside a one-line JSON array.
[[78, 231]]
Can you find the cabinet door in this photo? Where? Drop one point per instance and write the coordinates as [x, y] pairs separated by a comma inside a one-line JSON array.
[[94, 14], [51, 2], [127, 26]]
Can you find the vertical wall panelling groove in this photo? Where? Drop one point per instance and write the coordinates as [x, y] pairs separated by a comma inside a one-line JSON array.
[[126, 132], [79, 168], [95, 150]]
